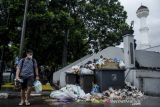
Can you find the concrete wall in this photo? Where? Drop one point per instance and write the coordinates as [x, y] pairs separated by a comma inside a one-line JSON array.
[[152, 86], [146, 80], [130, 75]]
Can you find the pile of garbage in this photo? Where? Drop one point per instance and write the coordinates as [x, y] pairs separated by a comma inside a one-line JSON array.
[[80, 70], [3, 95], [90, 66], [122, 94], [75, 93], [70, 92]]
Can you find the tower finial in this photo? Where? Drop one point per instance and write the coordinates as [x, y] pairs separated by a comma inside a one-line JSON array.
[[132, 23], [142, 13]]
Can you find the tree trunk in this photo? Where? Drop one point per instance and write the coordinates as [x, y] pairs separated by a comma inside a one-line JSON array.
[[65, 46], [23, 28], [2, 65]]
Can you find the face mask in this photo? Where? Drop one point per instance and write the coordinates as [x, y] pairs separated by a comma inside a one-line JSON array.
[[30, 56]]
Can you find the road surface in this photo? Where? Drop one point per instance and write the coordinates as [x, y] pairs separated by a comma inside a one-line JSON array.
[[46, 102]]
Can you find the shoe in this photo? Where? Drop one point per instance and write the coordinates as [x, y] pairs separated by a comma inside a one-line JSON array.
[[21, 104], [27, 103]]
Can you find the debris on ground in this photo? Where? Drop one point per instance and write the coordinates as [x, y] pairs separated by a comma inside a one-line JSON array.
[[47, 87], [70, 92], [95, 89], [3, 95], [75, 93], [119, 94], [36, 94]]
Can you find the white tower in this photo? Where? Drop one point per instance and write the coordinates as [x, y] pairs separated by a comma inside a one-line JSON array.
[[143, 41]]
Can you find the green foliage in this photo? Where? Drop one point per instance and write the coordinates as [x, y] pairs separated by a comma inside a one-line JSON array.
[[101, 21]]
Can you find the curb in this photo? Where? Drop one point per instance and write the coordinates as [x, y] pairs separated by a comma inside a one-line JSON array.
[[10, 95]]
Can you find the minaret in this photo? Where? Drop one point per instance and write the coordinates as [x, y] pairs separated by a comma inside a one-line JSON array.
[[143, 41]]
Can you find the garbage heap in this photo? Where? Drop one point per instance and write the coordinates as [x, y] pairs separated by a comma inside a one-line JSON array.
[[90, 66], [3, 95], [75, 93]]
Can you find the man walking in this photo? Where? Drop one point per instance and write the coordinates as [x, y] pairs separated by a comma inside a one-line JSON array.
[[26, 70]]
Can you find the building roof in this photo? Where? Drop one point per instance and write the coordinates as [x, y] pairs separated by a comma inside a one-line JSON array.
[[142, 7], [155, 48], [148, 59]]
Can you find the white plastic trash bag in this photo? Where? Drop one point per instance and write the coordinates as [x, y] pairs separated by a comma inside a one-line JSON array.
[[121, 65], [73, 91], [3, 95], [75, 67], [69, 92], [37, 86], [100, 61], [92, 66], [60, 95], [76, 90], [86, 71]]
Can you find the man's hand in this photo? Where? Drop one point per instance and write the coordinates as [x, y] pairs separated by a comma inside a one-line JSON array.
[[37, 77], [17, 78], [17, 73]]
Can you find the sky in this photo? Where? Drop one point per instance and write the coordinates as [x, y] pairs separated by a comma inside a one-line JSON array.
[[153, 20]]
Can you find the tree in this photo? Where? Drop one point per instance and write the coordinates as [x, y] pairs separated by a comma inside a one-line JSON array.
[[3, 37], [104, 20], [97, 22]]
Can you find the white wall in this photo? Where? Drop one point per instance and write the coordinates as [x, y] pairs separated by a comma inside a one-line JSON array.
[[152, 86], [131, 76], [151, 81], [147, 81]]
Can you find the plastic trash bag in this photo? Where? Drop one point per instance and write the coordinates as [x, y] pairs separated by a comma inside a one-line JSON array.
[[3, 95], [116, 60], [76, 67], [74, 91], [69, 92], [95, 89], [121, 65], [71, 71], [60, 95], [17, 83], [79, 91], [74, 70], [91, 66], [86, 71], [87, 97], [100, 61], [38, 86]]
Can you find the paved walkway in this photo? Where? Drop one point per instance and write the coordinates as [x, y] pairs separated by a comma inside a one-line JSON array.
[[45, 102]]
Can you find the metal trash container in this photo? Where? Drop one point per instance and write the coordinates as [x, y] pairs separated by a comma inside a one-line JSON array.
[[106, 78], [72, 78], [86, 81]]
